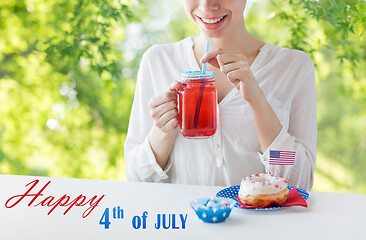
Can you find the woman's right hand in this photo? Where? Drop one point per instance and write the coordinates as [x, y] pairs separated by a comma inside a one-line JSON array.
[[163, 109]]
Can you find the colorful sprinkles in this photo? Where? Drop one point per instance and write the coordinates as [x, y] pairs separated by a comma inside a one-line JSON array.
[[264, 181]]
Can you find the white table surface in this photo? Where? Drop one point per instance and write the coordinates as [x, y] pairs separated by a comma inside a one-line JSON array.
[[328, 216]]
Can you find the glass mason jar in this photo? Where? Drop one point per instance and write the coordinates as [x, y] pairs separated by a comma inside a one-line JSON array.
[[197, 105]]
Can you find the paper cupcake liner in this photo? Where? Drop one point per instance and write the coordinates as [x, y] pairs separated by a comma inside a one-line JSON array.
[[213, 210]]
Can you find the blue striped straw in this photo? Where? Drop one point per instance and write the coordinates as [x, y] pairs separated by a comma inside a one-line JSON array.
[[206, 50]]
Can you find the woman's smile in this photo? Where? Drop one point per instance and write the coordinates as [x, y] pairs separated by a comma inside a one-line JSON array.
[[212, 23]]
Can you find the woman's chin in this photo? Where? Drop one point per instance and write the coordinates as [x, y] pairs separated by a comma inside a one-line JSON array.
[[213, 30], [213, 34]]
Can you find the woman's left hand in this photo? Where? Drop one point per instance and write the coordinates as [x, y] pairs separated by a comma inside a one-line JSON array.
[[235, 66]]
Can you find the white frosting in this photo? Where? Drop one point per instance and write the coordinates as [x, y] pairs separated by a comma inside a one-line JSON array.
[[263, 183]]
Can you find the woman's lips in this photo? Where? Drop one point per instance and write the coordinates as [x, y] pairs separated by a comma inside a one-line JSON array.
[[212, 23]]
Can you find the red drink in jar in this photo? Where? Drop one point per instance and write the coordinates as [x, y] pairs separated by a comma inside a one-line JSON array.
[[197, 105]]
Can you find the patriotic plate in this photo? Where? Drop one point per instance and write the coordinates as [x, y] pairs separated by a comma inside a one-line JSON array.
[[232, 192]]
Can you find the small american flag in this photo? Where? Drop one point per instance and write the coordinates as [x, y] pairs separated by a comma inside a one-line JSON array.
[[281, 157]]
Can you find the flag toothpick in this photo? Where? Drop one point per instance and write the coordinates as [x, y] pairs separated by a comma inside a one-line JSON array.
[[281, 157]]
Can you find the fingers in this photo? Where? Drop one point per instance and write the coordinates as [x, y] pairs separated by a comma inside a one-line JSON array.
[[211, 57], [220, 57], [168, 121], [173, 88], [236, 68], [157, 111], [234, 78], [211, 54], [164, 113], [226, 68], [163, 108], [162, 99], [236, 72]]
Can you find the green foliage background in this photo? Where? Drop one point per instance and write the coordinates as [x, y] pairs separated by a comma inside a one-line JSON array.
[[68, 69]]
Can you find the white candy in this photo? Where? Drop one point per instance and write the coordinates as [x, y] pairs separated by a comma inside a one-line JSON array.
[[225, 203], [211, 204]]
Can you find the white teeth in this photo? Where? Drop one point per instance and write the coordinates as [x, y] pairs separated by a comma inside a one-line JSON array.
[[212, 20]]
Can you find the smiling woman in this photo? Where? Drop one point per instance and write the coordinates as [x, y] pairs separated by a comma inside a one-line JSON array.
[[266, 100], [64, 107]]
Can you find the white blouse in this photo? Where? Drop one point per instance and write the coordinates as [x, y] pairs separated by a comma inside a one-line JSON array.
[[287, 79]]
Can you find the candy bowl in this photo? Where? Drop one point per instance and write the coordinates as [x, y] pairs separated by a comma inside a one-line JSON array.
[[213, 210]]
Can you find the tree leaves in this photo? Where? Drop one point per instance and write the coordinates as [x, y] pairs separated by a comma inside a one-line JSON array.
[[50, 45]]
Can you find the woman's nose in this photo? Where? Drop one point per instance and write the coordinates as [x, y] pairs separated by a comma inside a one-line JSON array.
[[209, 5]]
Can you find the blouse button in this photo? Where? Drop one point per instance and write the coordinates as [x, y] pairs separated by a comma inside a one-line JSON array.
[[217, 146]]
